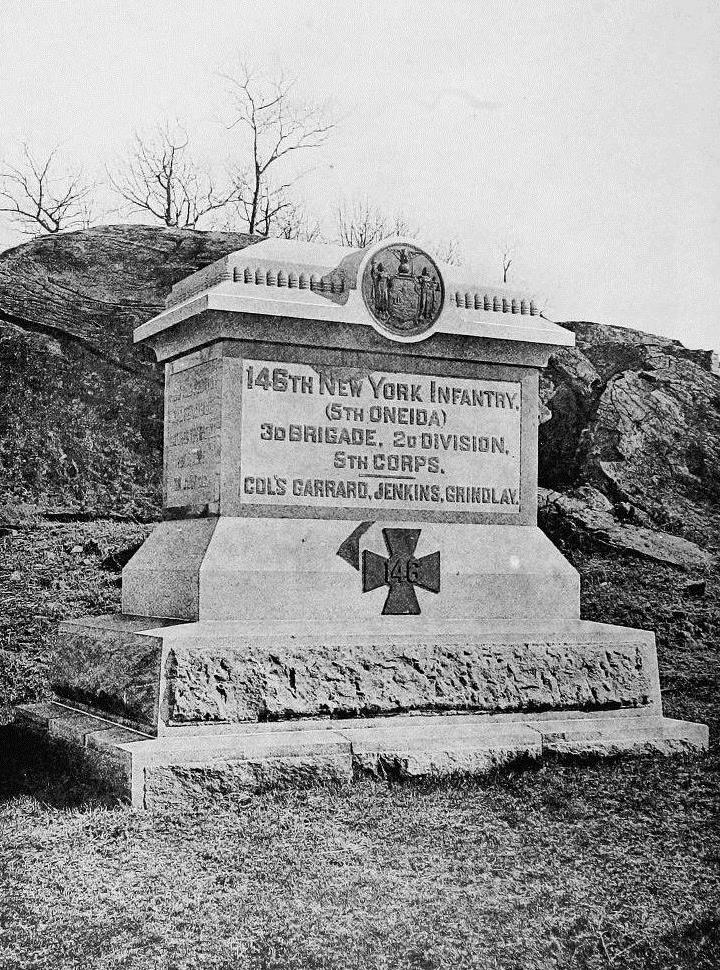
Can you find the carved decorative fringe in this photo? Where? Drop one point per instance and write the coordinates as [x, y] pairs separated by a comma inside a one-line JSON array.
[[469, 300], [303, 281]]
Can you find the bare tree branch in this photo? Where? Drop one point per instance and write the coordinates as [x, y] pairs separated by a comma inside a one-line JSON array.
[[277, 126], [448, 251], [361, 224], [39, 199], [161, 178], [294, 223], [507, 259]]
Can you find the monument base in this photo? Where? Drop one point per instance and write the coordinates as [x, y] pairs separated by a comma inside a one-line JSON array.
[[177, 772], [167, 711], [164, 713], [266, 571], [160, 677]]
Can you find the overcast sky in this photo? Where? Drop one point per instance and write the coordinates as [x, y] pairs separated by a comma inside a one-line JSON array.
[[586, 133]]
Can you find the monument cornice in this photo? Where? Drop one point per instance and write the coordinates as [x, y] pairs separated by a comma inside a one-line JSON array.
[[280, 278], [205, 326]]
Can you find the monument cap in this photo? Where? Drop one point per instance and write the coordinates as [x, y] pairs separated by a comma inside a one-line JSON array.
[[394, 286]]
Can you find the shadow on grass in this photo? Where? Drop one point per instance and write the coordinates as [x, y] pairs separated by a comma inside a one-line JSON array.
[[52, 774], [695, 944]]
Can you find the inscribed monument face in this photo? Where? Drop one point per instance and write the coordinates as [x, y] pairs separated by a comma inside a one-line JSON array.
[[375, 439], [192, 436]]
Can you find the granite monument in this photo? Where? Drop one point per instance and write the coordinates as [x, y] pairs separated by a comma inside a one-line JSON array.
[[349, 577]]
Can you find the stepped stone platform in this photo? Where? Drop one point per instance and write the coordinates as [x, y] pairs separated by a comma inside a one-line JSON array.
[[180, 771]]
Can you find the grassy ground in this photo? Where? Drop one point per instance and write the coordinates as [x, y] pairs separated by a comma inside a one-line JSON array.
[[612, 864], [51, 572]]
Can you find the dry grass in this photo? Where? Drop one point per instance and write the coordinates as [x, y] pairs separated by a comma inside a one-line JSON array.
[[570, 865], [51, 572]]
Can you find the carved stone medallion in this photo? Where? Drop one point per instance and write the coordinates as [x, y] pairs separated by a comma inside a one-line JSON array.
[[403, 290]]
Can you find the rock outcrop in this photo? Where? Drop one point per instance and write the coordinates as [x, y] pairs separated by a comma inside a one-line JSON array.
[[637, 417], [80, 405], [585, 515]]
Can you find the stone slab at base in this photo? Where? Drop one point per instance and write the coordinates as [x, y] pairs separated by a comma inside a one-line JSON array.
[[175, 772], [161, 677]]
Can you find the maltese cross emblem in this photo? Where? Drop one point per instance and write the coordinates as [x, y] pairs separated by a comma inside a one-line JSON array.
[[401, 572]]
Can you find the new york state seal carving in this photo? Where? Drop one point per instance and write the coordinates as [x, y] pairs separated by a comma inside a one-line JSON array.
[[403, 290]]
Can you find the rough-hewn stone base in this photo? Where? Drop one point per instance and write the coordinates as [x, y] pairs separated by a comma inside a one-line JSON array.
[[209, 673], [421, 748], [176, 771]]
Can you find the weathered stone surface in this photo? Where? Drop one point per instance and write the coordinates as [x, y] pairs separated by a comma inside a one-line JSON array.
[[225, 673], [637, 416], [36, 717], [109, 664], [653, 544], [178, 772], [97, 746], [568, 387], [178, 786], [88, 439], [74, 726], [428, 750], [577, 666], [615, 736], [588, 512]]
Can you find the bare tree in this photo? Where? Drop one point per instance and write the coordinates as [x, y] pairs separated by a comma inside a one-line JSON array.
[[40, 197], [278, 126], [507, 258], [448, 251], [360, 224], [295, 223], [162, 179]]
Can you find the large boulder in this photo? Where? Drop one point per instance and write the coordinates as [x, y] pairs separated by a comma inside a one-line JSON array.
[[637, 417], [584, 516]]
